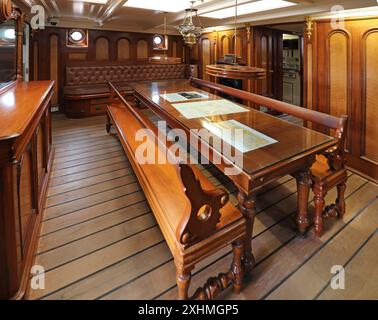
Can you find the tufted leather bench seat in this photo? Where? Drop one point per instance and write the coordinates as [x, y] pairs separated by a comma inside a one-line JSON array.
[[86, 91]]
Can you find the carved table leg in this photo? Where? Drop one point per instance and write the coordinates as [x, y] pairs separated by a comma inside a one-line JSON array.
[[108, 124], [237, 266], [340, 201], [304, 183], [247, 208], [183, 278]]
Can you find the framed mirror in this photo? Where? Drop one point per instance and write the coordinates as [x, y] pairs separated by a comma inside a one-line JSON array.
[[8, 52]]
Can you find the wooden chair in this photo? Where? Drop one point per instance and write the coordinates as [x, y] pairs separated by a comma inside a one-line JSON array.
[[329, 169], [196, 219]]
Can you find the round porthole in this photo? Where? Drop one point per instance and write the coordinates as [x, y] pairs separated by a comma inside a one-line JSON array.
[[158, 40], [76, 36]]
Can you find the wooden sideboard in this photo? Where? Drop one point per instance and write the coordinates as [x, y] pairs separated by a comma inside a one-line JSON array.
[[26, 155]]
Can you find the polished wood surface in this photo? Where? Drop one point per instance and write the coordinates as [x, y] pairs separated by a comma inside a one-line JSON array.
[[19, 106], [329, 169], [292, 140], [196, 219], [25, 164], [100, 241], [293, 154], [235, 72]]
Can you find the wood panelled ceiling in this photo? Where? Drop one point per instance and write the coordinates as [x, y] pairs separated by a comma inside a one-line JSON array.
[[117, 15]]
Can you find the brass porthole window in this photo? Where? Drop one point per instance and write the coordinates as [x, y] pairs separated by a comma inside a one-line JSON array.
[[159, 42], [77, 38]]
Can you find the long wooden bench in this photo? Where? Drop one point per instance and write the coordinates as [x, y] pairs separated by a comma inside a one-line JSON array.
[[329, 169], [196, 219]]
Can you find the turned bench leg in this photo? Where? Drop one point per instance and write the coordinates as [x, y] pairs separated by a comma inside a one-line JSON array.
[[183, 278], [108, 123], [340, 201], [237, 268]]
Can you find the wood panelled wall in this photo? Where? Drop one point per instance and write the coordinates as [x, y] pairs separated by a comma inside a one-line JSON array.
[[50, 55], [259, 46], [213, 46], [342, 74]]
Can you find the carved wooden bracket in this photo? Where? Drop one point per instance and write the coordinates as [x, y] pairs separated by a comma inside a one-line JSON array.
[[205, 205], [248, 28], [309, 28], [6, 10]]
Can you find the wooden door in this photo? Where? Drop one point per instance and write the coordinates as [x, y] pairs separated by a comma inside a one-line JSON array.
[[346, 82], [205, 56], [268, 52], [54, 67]]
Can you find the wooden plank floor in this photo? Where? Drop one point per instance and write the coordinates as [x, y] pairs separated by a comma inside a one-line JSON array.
[[99, 239]]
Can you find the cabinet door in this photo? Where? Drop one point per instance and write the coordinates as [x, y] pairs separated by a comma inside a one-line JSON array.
[[40, 147], [26, 197]]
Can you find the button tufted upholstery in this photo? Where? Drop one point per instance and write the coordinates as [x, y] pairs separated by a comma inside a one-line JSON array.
[[86, 83], [87, 75]]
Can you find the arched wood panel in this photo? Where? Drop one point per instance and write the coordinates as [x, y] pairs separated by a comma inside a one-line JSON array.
[[54, 66], [194, 52], [40, 151], [26, 194], [338, 73], [206, 57], [174, 49], [123, 49], [370, 103], [239, 45], [264, 61], [102, 49], [142, 49], [225, 45]]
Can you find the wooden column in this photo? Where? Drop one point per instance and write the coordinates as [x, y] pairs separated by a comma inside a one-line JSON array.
[[308, 66], [20, 34]]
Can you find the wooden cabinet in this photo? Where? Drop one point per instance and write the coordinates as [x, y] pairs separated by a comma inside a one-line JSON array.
[[83, 106], [343, 79], [25, 160]]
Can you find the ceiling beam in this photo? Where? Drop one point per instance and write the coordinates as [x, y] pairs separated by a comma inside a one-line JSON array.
[[48, 8], [110, 8]]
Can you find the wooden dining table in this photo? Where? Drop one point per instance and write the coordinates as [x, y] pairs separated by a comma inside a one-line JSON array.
[[293, 153]]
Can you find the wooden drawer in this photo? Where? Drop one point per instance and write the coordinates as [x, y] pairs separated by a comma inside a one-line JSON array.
[[99, 101], [97, 109]]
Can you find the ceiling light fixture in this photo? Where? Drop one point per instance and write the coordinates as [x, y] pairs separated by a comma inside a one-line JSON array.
[[249, 8], [188, 29]]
